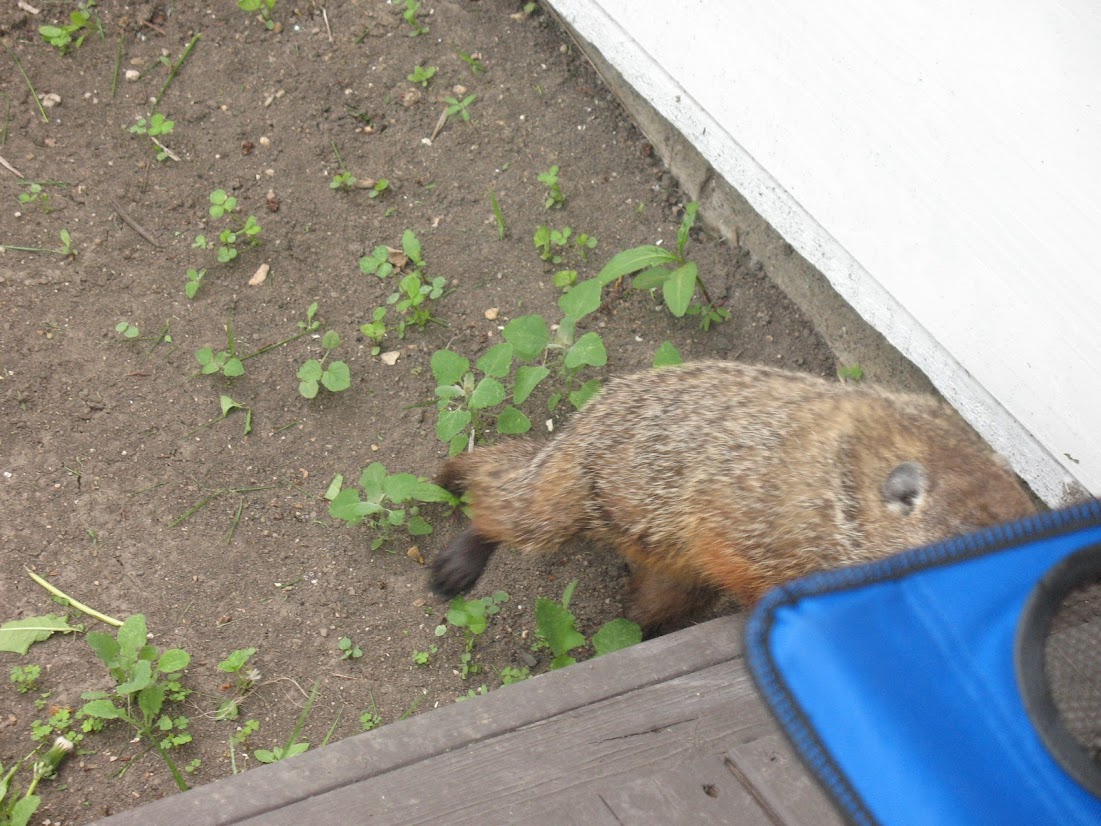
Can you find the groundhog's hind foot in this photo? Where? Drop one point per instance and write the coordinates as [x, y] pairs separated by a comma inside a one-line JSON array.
[[457, 567], [661, 604]]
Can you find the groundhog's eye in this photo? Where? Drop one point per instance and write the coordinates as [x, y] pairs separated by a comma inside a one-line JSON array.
[[903, 487]]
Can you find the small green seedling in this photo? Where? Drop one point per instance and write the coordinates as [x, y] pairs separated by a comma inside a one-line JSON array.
[[474, 61], [25, 677], [147, 679], [343, 180], [370, 719], [555, 199], [584, 242], [412, 300], [510, 674], [155, 127], [34, 194], [62, 37], [383, 261], [375, 330], [194, 281], [228, 239], [556, 628], [221, 203], [244, 679], [314, 374], [666, 355], [265, 7], [459, 107], [225, 361], [239, 739], [551, 242], [564, 279], [471, 615], [423, 657], [127, 330], [293, 746], [421, 75], [464, 400], [412, 8], [498, 216], [377, 500], [653, 266], [852, 373], [348, 649], [471, 693]]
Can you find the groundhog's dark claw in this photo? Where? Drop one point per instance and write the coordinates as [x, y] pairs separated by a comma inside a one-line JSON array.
[[457, 567]]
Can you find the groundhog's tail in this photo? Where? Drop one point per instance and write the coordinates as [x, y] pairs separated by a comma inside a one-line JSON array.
[[453, 476]]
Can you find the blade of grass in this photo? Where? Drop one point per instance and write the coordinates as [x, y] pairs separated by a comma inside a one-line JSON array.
[[175, 68], [30, 86]]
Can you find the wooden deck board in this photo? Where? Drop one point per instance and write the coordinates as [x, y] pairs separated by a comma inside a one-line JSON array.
[[780, 782], [629, 737], [705, 792]]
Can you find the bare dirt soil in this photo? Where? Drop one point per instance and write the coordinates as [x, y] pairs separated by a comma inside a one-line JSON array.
[[103, 448]]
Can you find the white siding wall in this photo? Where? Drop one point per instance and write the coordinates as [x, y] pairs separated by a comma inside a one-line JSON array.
[[938, 161]]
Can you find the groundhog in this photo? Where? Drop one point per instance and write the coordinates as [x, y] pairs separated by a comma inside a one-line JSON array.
[[715, 476]]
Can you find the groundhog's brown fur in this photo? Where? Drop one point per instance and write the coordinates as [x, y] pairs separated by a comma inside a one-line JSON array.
[[718, 476]]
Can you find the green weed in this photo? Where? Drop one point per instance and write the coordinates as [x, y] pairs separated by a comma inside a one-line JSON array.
[[225, 361], [25, 677], [510, 674], [474, 61], [70, 36], [498, 216], [852, 372], [293, 746], [265, 7], [666, 355], [375, 330], [155, 127], [370, 718], [385, 501], [146, 680], [34, 194], [423, 657], [348, 649], [127, 330], [459, 107], [556, 627], [194, 281], [239, 739], [471, 615], [314, 373], [244, 677], [412, 8], [555, 199], [421, 75], [221, 205], [654, 266]]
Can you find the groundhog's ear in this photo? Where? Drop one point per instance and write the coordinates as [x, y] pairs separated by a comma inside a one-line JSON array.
[[904, 486]]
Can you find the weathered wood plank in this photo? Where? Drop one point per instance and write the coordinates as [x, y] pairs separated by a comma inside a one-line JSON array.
[[410, 742], [778, 779], [702, 793], [528, 772]]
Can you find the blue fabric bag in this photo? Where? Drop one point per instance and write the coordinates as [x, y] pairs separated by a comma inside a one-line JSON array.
[[913, 687]]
